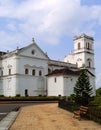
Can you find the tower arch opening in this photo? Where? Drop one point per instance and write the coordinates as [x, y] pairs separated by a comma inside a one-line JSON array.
[[89, 63]]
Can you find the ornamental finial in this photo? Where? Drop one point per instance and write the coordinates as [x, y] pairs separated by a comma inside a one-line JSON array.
[[33, 41]]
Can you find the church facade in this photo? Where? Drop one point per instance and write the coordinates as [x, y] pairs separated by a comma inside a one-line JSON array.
[[29, 71]]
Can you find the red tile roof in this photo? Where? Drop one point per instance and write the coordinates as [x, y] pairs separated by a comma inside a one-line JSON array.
[[65, 71]]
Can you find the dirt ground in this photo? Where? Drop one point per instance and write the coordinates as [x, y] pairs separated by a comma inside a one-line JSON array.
[[50, 117]]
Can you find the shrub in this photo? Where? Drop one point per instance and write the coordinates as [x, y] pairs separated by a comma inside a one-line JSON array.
[[96, 102], [18, 95], [73, 97], [40, 95], [1, 95]]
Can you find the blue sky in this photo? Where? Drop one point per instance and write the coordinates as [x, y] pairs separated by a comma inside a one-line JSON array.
[[53, 24]]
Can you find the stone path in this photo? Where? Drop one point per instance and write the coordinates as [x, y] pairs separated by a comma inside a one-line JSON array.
[[50, 117]]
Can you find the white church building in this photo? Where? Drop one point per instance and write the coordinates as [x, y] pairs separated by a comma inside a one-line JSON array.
[[29, 71]]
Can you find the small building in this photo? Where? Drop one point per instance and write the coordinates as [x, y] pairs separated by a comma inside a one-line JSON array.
[[62, 82]]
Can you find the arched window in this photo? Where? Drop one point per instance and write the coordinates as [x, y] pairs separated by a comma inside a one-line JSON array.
[[40, 73], [89, 64], [89, 61], [33, 72], [26, 71], [9, 71], [76, 64], [88, 45], [79, 46], [1, 72]]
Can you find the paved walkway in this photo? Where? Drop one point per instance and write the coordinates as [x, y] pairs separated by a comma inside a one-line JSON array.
[[6, 122], [50, 117]]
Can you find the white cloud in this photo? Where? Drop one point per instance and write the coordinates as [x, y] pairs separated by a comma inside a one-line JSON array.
[[49, 19], [11, 27]]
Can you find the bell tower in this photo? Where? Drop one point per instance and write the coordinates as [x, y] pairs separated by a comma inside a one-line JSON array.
[[84, 52]]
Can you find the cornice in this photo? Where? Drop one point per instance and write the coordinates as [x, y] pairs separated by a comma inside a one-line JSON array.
[[84, 52], [17, 74], [32, 57]]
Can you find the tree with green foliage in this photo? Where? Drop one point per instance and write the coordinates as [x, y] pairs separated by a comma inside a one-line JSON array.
[[98, 92], [83, 89]]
